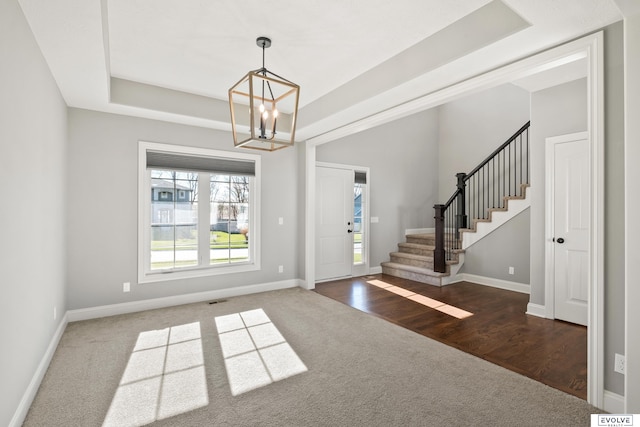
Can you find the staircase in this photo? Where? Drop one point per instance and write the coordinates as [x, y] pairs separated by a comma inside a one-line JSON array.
[[414, 261], [490, 195]]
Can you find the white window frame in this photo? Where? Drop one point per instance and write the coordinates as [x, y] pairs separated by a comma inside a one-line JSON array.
[[145, 274]]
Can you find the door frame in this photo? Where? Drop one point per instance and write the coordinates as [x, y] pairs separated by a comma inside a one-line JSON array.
[[590, 48], [549, 223], [364, 268]]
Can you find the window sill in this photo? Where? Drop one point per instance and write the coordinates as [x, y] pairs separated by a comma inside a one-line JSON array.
[[167, 275]]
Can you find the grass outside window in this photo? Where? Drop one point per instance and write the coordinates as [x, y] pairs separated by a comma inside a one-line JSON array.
[[218, 240]]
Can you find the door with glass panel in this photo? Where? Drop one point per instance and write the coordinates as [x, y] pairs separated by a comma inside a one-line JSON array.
[[340, 223]]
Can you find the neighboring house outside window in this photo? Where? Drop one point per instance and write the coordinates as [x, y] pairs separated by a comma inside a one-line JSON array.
[[198, 208]]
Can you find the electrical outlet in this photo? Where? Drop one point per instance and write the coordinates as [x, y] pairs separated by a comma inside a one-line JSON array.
[[126, 287], [55, 312], [281, 269], [280, 220], [619, 364], [512, 270]]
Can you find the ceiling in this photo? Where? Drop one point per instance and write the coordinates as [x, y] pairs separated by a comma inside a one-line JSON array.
[[175, 60]]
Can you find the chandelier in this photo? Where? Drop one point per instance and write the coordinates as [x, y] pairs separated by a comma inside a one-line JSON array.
[[264, 107]]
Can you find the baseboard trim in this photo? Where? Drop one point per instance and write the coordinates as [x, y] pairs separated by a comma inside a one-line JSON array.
[[613, 402], [537, 310], [457, 278], [30, 393], [150, 304], [376, 270], [496, 283], [454, 278]]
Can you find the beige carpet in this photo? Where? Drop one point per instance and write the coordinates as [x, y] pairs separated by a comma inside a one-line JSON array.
[[346, 368]]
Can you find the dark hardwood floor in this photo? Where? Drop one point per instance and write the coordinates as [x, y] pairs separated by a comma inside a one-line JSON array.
[[550, 351]]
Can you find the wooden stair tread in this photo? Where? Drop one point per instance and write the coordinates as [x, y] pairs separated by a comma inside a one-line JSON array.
[[490, 211]]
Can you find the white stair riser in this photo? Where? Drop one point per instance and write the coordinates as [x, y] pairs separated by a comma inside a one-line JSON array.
[[498, 219]]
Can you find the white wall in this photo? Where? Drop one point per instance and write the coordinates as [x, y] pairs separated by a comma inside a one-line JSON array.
[[33, 135], [473, 127], [403, 161], [103, 209]]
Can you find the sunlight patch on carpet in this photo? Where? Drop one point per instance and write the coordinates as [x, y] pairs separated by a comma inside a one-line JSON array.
[[165, 376], [421, 299], [255, 352]]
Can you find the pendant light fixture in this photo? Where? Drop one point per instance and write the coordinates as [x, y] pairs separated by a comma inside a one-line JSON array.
[[264, 107]]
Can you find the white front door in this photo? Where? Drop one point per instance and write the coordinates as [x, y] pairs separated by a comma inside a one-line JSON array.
[[334, 223], [571, 222]]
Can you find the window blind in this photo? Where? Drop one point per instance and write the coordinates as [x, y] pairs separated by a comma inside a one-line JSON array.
[[185, 162], [360, 178]]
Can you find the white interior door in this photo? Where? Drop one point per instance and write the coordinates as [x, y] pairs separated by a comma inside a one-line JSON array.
[[571, 222], [334, 223]]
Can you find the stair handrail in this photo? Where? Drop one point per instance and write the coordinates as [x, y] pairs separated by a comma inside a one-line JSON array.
[[447, 219], [498, 150]]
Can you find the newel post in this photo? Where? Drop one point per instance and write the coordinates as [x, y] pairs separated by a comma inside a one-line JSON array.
[[439, 261], [461, 216]]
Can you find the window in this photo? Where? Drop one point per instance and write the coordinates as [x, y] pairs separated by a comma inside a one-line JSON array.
[[359, 206], [211, 225]]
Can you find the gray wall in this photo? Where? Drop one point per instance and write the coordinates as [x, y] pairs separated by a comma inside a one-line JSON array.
[[403, 157], [472, 127], [508, 246], [431, 146], [614, 230], [33, 135], [301, 150], [103, 156], [632, 203], [555, 111], [569, 103]]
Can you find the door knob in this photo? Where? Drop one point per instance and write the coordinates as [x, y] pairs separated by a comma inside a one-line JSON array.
[[560, 240], [349, 231]]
